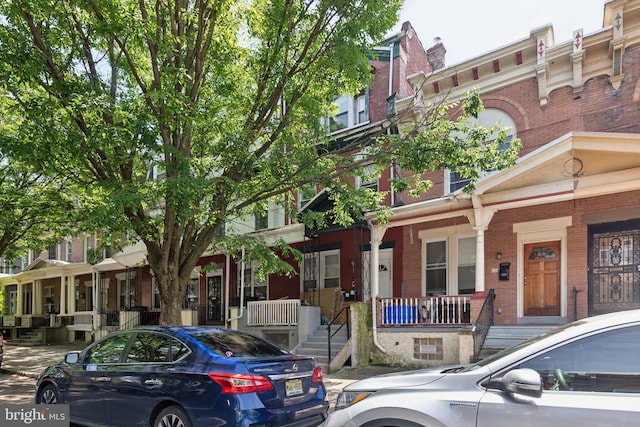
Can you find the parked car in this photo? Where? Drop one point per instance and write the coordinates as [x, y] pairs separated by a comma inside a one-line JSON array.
[[585, 373], [186, 376]]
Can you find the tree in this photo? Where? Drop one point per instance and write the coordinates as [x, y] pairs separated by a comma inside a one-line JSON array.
[[223, 97], [35, 210]]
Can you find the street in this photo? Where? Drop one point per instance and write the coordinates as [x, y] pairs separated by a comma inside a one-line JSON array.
[[16, 389]]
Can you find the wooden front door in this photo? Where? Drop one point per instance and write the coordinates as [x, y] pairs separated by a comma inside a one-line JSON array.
[[542, 279]]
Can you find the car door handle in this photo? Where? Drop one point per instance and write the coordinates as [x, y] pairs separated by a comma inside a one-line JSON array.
[[153, 381], [103, 379]]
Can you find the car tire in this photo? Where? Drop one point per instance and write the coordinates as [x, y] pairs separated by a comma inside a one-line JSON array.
[[48, 395], [172, 416]]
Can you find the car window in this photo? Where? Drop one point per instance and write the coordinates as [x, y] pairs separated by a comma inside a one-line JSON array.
[[237, 344], [108, 350], [154, 348], [604, 362]]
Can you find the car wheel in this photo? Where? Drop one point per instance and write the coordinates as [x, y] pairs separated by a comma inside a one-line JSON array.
[[172, 416], [48, 395]]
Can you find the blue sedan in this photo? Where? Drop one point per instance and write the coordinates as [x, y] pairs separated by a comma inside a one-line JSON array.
[[186, 376]]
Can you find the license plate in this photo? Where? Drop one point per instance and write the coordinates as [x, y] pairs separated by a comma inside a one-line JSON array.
[[293, 387]]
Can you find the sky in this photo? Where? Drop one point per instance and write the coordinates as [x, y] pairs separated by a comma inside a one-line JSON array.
[[470, 28]]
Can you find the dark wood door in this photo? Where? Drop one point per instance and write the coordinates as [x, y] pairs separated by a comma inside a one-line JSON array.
[[542, 279]]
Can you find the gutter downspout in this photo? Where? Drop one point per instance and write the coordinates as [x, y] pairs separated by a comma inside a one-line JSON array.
[[241, 312], [392, 169], [227, 283], [374, 261]]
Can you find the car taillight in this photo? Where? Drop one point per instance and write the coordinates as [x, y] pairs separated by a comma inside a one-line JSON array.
[[240, 383], [317, 375]]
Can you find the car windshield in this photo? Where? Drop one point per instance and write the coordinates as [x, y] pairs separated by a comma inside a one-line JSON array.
[[517, 347], [237, 345]]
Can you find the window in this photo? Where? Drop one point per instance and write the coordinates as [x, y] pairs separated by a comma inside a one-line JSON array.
[[255, 287], [126, 289], [52, 252], [88, 248], [605, 362], [487, 118], [368, 176], [321, 268], [238, 344], [466, 265], [192, 298], [436, 268], [69, 251], [261, 220], [108, 351], [351, 111]]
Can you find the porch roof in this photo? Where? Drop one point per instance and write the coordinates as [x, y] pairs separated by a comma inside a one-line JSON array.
[[574, 166]]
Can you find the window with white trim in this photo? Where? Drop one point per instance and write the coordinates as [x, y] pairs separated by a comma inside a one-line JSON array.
[[486, 118], [352, 111], [255, 286], [466, 265], [436, 267], [321, 270]]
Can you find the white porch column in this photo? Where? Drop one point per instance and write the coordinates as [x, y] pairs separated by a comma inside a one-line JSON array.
[[480, 221], [479, 259], [20, 299], [36, 297]]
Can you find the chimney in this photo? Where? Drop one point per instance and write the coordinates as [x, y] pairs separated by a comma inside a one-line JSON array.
[[435, 54]]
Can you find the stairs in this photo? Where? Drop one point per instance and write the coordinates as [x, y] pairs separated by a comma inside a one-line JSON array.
[[316, 345], [505, 336], [29, 337]]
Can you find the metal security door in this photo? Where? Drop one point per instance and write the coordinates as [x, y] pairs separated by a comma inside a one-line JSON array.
[[614, 267]]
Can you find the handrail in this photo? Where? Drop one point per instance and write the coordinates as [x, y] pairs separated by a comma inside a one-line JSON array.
[[331, 335], [483, 323]]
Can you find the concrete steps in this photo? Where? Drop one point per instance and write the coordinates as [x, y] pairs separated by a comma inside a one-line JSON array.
[[505, 336], [316, 345], [29, 337]]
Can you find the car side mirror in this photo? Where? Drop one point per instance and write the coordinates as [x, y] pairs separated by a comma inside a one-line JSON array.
[[72, 358], [523, 381]]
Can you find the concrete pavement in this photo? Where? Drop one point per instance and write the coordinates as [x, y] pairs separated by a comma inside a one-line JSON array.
[[29, 361]]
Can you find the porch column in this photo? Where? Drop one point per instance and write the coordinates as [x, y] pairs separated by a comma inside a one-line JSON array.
[[19, 299], [36, 297], [72, 294], [64, 293], [479, 259]]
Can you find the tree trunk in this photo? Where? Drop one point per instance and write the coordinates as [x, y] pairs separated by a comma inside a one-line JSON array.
[[172, 292]]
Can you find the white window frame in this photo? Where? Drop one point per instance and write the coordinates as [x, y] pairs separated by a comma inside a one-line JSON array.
[[452, 236], [355, 108], [252, 282], [487, 118], [320, 258]]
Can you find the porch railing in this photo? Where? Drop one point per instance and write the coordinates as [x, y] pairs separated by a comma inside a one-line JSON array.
[[273, 313], [482, 324], [422, 311]]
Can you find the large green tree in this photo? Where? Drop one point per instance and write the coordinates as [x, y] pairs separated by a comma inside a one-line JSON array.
[[35, 210], [223, 97]]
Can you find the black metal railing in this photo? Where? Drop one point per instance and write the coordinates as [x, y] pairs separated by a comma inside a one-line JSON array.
[[347, 314], [483, 323]]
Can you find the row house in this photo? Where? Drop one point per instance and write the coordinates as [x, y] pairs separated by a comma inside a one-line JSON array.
[[552, 239], [87, 294]]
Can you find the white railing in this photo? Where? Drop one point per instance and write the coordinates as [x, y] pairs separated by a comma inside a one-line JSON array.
[[273, 313], [442, 310], [82, 321]]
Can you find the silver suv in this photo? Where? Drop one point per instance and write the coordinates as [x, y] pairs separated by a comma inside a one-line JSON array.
[[585, 373]]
